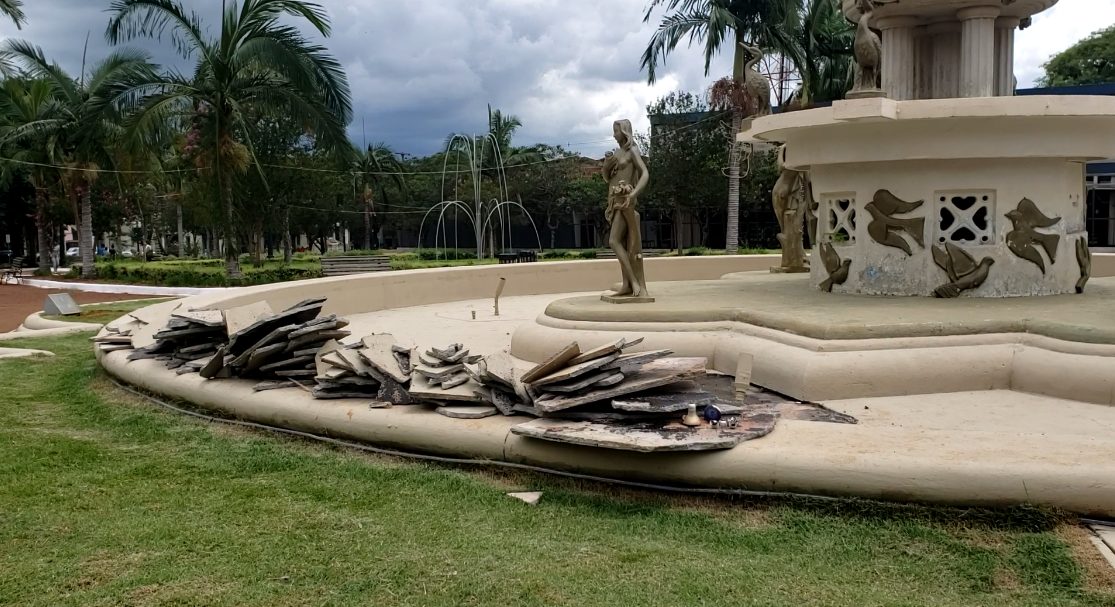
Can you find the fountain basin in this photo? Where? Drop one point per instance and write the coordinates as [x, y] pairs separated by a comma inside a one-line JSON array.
[[969, 162]]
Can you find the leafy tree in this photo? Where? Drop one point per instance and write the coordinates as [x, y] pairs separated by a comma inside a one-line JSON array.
[[13, 9], [1090, 61], [256, 67], [720, 25], [89, 129], [822, 52], [30, 114], [542, 187], [377, 169]]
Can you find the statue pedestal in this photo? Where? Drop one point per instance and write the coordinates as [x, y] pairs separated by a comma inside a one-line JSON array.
[[626, 299], [865, 94], [791, 270]]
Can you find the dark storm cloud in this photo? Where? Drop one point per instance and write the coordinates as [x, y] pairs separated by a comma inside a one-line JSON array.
[[421, 70]]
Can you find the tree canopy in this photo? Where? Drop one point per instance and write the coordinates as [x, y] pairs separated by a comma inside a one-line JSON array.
[[1090, 61]]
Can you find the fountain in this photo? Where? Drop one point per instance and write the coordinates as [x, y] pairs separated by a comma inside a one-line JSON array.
[[482, 211]]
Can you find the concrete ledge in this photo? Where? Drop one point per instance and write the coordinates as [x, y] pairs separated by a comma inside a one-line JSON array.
[[120, 288], [36, 322], [22, 353]]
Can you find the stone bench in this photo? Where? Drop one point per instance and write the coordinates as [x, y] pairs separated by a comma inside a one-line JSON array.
[[354, 264]]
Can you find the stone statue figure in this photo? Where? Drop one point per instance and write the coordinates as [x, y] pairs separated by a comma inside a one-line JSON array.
[[627, 177], [755, 85], [789, 208], [868, 51]]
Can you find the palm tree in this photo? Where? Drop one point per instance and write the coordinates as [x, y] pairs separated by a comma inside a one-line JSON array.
[[90, 128], [13, 9], [716, 23], [492, 151], [377, 167], [257, 67], [30, 115], [822, 54]]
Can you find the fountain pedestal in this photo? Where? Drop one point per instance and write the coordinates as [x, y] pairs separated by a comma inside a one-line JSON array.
[[907, 190]]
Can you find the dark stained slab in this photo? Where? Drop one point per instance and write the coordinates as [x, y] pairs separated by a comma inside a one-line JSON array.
[[655, 374], [569, 373], [556, 361]]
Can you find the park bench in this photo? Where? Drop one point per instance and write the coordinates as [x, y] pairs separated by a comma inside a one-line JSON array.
[[517, 256], [13, 273], [354, 264]]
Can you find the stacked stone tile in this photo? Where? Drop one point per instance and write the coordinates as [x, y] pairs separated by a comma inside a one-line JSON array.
[[375, 368]]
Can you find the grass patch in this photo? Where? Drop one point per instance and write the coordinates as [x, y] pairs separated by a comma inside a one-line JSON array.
[[107, 501], [107, 312]]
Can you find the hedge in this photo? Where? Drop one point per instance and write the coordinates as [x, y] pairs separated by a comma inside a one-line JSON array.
[[182, 274]]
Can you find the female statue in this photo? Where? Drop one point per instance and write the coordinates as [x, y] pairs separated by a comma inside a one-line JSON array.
[[626, 174]]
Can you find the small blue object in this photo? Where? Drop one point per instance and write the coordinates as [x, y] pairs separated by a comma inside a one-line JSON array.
[[711, 413]]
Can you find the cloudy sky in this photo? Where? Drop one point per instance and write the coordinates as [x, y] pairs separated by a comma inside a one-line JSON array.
[[567, 68]]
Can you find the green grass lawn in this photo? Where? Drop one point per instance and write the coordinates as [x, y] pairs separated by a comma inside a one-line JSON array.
[[106, 312], [105, 500]]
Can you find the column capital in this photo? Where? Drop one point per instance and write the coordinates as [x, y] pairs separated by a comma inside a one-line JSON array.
[[1007, 23], [943, 27], [887, 23], [978, 12]]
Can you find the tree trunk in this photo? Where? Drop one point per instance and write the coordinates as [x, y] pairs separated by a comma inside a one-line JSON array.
[[677, 225], [181, 234], [232, 251], [88, 269], [367, 224], [732, 238], [288, 253], [40, 226]]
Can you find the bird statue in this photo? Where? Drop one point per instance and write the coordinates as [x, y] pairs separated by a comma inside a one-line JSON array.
[[755, 85], [963, 271], [884, 228], [1022, 238], [1084, 258], [868, 50], [837, 268]]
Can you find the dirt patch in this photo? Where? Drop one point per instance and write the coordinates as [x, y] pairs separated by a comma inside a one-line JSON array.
[[1099, 576], [18, 301]]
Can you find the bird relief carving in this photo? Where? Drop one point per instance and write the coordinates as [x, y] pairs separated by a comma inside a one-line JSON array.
[[837, 268], [1024, 239], [961, 268], [886, 229]]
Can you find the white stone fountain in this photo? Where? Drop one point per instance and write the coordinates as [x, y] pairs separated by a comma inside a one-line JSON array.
[[949, 185]]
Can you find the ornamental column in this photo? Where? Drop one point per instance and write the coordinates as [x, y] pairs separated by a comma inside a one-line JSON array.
[[898, 57], [977, 50], [1004, 55], [923, 63], [946, 59]]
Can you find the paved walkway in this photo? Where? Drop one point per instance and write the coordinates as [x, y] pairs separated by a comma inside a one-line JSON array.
[[17, 301]]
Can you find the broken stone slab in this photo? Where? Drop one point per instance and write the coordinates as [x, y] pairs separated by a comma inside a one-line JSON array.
[[501, 368], [611, 380], [215, 364], [529, 497], [466, 412], [321, 393], [356, 363], [445, 354], [174, 363], [379, 353], [275, 336], [114, 347], [656, 373], [525, 410], [454, 381], [323, 368], [652, 436], [674, 398], [260, 356], [431, 362], [295, 373], [602, 351], [556, 361], [287, 364], [503, 401], [438, 374], [391, 391], [579, 383], [213, 345], [317, 327], [239, 318], [569, 373], [470, 391], [185, 369], [178, 334], [316, 339], [633, 360], [248, 336], [313, 301], [403, 360], [194, 356], [209, 318], [112, 338]]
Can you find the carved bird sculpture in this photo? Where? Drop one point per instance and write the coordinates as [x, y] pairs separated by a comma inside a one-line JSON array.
[[963, 271], [1024, 236], [837, 268], [755, 84], [885, 229], [1084, 258], [867, 48]]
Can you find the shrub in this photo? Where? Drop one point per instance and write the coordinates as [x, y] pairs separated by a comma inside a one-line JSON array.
[[353, 252], [588, 254], [450, 254], [185, 274]]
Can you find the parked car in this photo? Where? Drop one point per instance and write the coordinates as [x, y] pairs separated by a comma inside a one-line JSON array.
[[73, 252], [5, 258], [127, 253]]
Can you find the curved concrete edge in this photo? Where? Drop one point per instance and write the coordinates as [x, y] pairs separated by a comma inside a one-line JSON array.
[[24, 333], [22, 353], [817, 370], [36, 322], [121, 288], [959, 468]]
